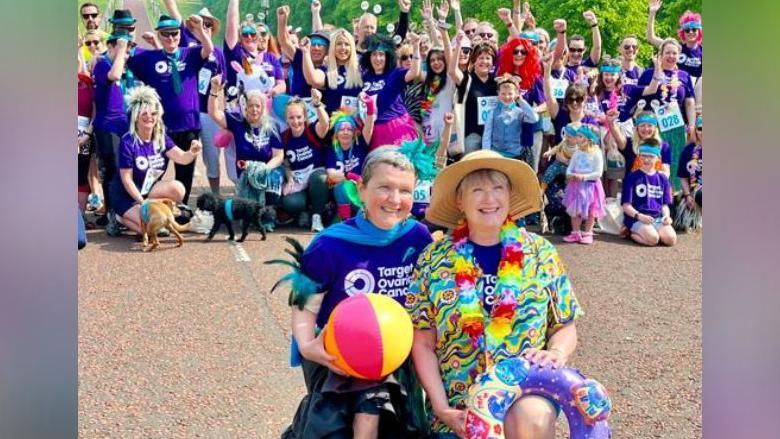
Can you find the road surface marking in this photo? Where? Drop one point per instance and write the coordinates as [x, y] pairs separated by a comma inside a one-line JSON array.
[[239, 253]]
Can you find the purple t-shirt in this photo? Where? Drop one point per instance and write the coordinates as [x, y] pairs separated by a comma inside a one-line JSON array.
[[585, 63], [332, 97], [488, 258], [622, 100], [389, 88], [269, 63], [628, 153], [296, 80], [562, 119], [215, 65], [684, 90], [141, 157], [630, 77], [303, 153], [690, 60], [535, 95], [251, 143], [360, 269], [350, 160], [181, 112], [110, 114], [689, 167], [646, 193]]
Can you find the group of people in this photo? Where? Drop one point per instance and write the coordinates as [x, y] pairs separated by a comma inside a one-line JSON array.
[[394, 137]]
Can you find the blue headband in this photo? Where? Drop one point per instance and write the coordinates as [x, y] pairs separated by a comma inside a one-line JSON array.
[[650, 150], [247, 29], [345, 120], [570, 131], [610, 69], [699, 121], [319, 41], [532, 36], [588, 133], [646, 118], [692, 25]]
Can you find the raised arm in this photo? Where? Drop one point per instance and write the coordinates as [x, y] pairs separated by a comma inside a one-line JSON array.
[[414, 71], [323, 121], [455, 6], [444, 143], [282, 13], [552, 103], [652, 9], [316, 19], [658, 76], [173, 9], [195, 23], [505, 15], [215, 103], [118, 65], [314, 77], [614, 129], [231, 24], [445, 43], [403, 18], [452, 64], [368, 124], [428, 21], [560, 29], [595, 50]]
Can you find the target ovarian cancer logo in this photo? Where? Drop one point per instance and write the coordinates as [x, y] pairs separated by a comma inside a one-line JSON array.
[[393, 281]]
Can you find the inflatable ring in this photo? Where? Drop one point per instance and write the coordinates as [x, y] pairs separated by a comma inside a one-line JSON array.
[[585, 402]]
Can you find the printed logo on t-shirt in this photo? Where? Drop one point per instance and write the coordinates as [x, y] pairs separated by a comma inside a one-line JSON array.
[[488, 287], [340, 80], [374, 86], [359, 281], [650, 191], [163, 67], [690, 62], [300, 154], [351, 164], [141, 163]]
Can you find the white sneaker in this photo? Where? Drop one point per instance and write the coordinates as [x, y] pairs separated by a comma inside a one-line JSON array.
[[316, 223]]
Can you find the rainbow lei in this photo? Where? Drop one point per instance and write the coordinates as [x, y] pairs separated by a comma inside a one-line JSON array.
[[426, 104], [486, 335]]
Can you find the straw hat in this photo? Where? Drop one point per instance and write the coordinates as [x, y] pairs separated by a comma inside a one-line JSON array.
[[206, 14], [524, 199]]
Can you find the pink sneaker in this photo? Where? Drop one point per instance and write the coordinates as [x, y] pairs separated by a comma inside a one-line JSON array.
[[587, 238], [574, 236]]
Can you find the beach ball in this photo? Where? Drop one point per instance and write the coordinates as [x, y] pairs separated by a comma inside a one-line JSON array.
[[370, 335], [223, 138]]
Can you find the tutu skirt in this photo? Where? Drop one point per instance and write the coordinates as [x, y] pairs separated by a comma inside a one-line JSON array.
[[584, 198], [393, 132]]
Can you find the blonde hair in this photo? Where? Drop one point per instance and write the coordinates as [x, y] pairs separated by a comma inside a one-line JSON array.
[[138, 99], [267, 125], [354, 78], [637, 140]]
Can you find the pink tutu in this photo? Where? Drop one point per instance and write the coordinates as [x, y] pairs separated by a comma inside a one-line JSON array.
[[393, 132], [584, 198]]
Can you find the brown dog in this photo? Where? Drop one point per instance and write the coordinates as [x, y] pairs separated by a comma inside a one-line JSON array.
[[156, 215]]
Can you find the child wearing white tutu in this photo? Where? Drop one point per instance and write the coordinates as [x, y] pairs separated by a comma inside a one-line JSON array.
[[584, 197]]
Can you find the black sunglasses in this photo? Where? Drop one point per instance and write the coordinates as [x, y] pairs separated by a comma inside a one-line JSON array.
[[698, 128], [469, 31], [208, 24], [465, 50], [629, 46], [576, 50], [578, 99], [406, 57], [86, 16], [92, 43], [520, 52], [486, 34], [692, 30], [169, 34]]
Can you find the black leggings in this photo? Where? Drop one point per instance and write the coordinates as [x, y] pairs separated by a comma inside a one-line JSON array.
[[184, 173], [107, 155]]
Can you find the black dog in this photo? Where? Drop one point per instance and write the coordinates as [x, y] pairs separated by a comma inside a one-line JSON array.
[[242, 209]]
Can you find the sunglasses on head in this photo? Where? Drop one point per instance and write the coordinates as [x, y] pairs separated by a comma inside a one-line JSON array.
[[169, 34], [578, 99], [520, 52], [88, 16], [629, 46], [486, 34], [576, 49], [92, 42], [691, 31]]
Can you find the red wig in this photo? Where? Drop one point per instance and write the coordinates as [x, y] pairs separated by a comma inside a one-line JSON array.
[[528, 71], [687, 17]]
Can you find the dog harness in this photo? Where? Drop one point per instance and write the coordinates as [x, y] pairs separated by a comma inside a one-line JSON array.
[[145, 211], [229, 209]]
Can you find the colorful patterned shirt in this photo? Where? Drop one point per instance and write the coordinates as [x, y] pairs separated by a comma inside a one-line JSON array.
[[547, 303]]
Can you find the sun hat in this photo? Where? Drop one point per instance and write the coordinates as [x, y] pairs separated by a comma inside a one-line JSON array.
[[167, 22], [122, 17], [206, 15], [525, 197]]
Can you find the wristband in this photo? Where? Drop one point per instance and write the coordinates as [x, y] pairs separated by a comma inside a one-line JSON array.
[[594, 25], [317, 105], [212, 94], [636, 216]]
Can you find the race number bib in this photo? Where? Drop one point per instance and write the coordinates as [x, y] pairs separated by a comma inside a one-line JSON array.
[[204, 77], [422, 192], [152, 175], [669, 116], [559, 87], [485, 107]]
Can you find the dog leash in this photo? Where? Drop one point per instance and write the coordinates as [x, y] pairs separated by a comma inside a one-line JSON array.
[[229, 209], [145, 212]]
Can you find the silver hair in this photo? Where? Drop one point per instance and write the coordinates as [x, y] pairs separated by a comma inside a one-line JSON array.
[[387, 155]]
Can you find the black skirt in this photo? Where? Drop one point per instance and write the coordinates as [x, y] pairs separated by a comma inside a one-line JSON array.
[[327, 411]]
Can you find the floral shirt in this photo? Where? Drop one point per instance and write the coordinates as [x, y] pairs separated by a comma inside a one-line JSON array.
[[547, 303]]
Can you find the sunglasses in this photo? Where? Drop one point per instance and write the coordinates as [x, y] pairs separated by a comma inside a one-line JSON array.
[[465, 50], [250, 35], [169, 34], [88, 16], [629, 46], [691, 31], [469, 31], [486, 34], [520, 52], [698, 129], [406, 57], [208, 24], [576, 50], [578, 99], [92, 43]]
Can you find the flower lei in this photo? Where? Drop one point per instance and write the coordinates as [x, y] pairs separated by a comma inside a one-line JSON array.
[[426, 104], [674, 84], [467, 276]]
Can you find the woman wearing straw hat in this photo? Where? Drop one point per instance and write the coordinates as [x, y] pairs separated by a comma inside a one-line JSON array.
[[487, 292]]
